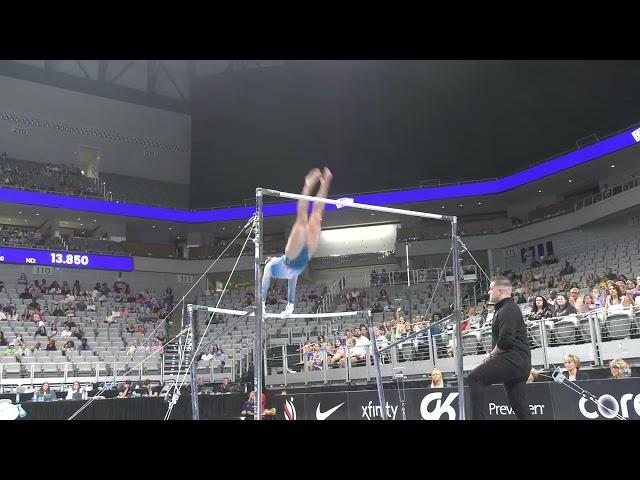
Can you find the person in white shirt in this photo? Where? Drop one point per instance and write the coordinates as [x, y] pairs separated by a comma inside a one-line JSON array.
[[362, 343], [76, 390], [2, 315], [207, 356], [132, 349], [66, 332], [381, 340], [91, 307]]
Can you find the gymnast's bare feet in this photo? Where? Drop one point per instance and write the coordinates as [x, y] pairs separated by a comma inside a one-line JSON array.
[[326, 176], [310, 180]]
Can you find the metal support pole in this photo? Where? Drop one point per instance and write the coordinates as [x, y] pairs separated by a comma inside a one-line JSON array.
[[376, 362], [406, 248], [257, 345], [285, 364], [545, 342], [458, 317], [598, 338], [193, 323], [594, 343]]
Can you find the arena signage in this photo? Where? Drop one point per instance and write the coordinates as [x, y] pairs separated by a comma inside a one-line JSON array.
[[547, 401], [50, 258]]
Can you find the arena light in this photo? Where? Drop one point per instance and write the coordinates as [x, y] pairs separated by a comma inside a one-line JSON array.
[[524, 177]]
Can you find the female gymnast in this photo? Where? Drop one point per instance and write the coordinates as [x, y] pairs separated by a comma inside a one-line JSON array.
[[303, 239]]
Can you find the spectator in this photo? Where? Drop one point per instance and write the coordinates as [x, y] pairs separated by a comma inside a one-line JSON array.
[[3, 341], [140, 329], [520, 298], [130, 328], [352, 352], [317, 361], [40, 329], [109, 318], [381, 340], [84, 346], [76, 392], [540, 309], [436, 379], [563, 307], [364, 332], [81, 306], [377, 308], [200, 385], [249, 406], [616, 302], [331, 350], [22, 350], [207, 356], [219, 356], [225, 386], [133, 348], [596, 299], [619, 369], [587, 304], [10, 351], [57, 312], [362, 343], [632, 290], [340, 353], [68, 347], [148, 390], [26, 294], [572, 364], [552, 298], [574, 298], [66, 332], [533, 375], [568, 269], [45, 393], [126, 390], [51, 345]]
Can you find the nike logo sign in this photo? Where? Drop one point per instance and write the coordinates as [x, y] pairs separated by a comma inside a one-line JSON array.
[[324, 415]]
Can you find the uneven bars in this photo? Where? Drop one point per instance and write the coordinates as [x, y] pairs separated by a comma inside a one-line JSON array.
[[363, 206], [280, 315]]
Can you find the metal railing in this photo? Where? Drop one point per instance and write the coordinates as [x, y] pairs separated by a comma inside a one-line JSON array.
[[596, 337]]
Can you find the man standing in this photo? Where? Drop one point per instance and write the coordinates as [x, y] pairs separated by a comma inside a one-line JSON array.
[[510, 359]]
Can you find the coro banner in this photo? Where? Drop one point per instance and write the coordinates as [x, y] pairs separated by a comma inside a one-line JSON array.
[[547, 401], [620, 397]]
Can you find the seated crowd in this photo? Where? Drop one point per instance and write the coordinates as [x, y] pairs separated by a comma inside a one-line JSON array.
[[54, 308]]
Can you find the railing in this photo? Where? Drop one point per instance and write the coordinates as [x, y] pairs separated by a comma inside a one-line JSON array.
[[20, 373], [596, 337], [468, 273]]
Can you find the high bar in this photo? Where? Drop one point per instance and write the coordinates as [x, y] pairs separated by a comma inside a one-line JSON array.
[[363, 206], [280, 315]]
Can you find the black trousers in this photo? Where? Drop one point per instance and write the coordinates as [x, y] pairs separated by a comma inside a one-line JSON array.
[[499, 370]]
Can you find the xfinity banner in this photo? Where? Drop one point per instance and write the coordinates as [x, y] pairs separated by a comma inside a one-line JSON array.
[[547, 401], [419, 404]]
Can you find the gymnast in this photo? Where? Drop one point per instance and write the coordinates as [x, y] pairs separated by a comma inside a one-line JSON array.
[[303, 239]]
